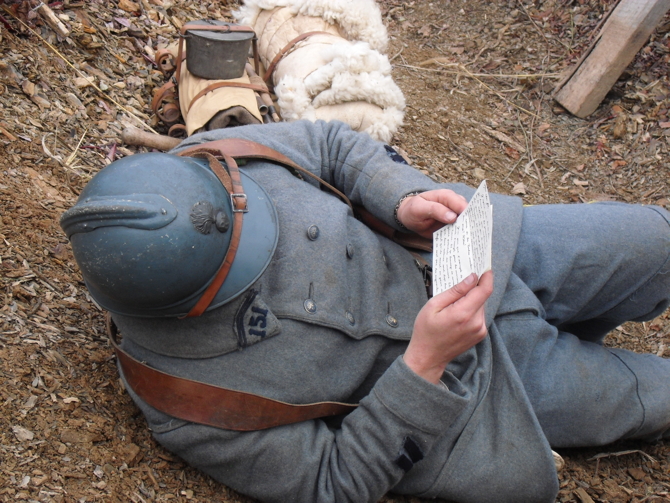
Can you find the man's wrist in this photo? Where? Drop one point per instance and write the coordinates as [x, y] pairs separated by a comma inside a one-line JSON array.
[[397, 207]]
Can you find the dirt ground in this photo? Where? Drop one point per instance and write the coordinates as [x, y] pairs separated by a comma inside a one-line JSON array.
[[477, 77]]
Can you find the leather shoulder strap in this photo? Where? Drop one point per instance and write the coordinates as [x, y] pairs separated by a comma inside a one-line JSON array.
[[246, 149], [238, 148], [216, 406]]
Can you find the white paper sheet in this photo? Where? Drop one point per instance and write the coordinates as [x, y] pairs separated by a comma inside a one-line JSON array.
[[464, 247]]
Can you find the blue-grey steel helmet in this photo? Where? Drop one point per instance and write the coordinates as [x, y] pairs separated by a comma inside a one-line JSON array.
[[150, 231]]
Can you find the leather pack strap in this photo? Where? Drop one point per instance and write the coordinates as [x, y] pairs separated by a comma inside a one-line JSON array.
[[232, 181], [165, 61], [166, 93], [225, 83], [211, 405], [267, 77], [239, 148]]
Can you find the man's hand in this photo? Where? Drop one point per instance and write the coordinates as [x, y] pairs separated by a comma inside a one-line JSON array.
[[449, 324], [429, 211]]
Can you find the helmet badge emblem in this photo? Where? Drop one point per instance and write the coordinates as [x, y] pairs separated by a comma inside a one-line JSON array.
[[203, 215]]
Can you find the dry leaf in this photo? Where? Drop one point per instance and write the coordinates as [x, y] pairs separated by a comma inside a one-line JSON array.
[[128, 6], [542, 128], [512, 153], [581, 183], [83, 81], [620, 128], [22, 434], [519, 188], [480, 173], [28, 88]]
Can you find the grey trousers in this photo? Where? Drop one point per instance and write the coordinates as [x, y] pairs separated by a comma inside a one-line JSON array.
[[582, 270]]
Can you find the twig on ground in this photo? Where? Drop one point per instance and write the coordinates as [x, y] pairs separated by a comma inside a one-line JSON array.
[[397, 54], [622, 453]]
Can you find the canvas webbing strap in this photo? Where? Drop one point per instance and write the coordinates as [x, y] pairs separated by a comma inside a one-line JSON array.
[[216, 406]]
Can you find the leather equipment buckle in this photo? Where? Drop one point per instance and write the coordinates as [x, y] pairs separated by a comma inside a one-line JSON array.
[[243, 198]]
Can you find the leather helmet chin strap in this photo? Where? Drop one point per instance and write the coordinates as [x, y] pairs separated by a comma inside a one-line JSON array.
[[232, 181]]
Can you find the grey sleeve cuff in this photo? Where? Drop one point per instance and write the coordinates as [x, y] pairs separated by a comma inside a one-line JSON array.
[[426, 406], [389, 185]]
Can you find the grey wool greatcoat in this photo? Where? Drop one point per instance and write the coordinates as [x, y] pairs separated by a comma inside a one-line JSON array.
[[475, 439]]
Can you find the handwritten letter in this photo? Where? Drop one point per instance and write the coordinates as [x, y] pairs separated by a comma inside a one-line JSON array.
[[464, 247]]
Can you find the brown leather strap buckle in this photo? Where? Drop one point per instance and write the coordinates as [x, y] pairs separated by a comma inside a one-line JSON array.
[[235, 198]]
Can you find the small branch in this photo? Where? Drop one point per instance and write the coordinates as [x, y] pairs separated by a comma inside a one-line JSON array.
[[51, 19]]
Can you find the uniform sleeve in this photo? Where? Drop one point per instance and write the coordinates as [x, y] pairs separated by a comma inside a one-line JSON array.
[[389, 434], [352, 162]]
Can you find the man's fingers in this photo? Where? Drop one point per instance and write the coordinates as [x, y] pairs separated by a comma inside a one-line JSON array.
[[455, 293], [470, 294], [437, 211], [448, 198]]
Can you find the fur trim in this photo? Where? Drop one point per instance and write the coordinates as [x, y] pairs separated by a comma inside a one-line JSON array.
[[346, 57], [295, 103], [292, 98], [372, 87], [357, 19]]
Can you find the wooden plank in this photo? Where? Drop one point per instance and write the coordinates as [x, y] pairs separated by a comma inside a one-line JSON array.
[[623, 34]]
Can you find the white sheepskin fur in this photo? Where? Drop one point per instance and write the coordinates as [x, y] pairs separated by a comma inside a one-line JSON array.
[[357, 19], [346, 79]]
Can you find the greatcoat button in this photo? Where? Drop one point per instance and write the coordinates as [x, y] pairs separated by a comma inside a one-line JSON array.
[[310, 306], [393, 323], [350, 318], [313, 232], [350, 250]]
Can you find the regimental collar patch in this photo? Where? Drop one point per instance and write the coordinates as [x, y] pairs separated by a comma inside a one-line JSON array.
[[254, 322]]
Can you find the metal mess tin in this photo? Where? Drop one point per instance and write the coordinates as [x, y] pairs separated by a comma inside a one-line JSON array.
[[216, 49]]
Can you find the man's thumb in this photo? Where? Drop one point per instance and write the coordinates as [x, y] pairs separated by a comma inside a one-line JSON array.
[[457, 291]]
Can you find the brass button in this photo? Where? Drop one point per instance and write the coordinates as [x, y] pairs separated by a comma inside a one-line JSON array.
[[310, 306], [350, 250], [350, 318], [392, 322], [313, 232]]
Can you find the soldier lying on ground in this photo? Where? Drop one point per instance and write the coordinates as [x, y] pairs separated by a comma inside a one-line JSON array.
[[459, 396]]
